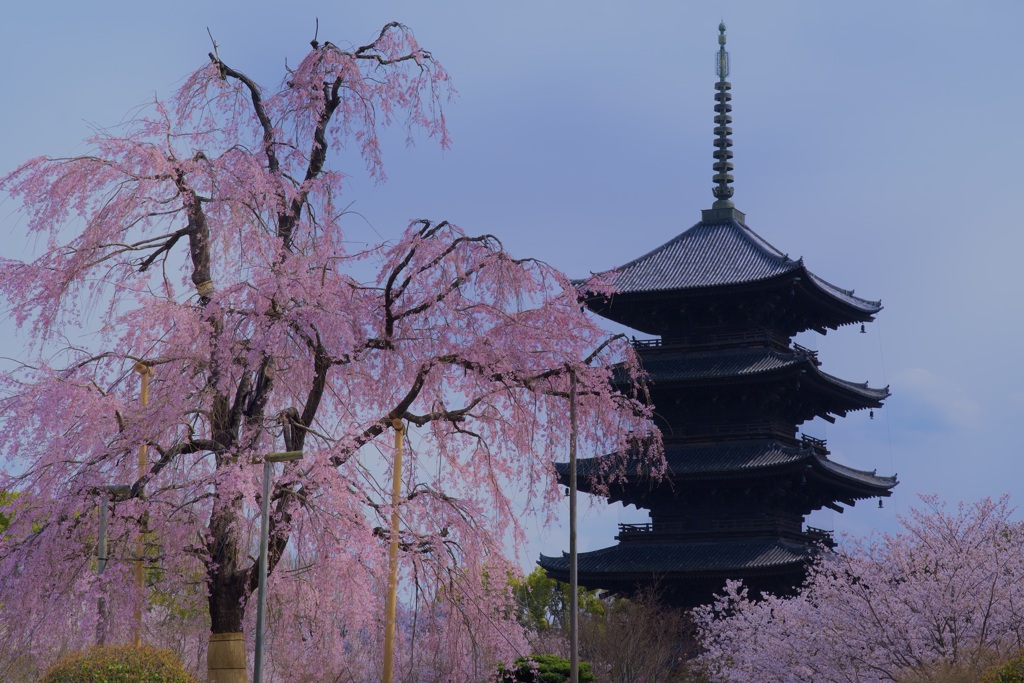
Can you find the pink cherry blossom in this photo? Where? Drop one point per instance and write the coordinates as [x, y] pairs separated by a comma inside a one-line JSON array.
[[204, 239], [948, 591]]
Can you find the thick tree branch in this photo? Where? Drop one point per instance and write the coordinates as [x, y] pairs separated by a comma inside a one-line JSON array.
[[171, 240], [267, 125], [198, 231]]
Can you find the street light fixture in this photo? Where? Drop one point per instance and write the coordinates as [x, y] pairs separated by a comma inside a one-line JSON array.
[[261, 594]]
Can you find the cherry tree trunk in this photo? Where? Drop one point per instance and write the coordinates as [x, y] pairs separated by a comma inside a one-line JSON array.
[[225, 658]]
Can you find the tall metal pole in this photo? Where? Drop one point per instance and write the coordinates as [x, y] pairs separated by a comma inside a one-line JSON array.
[[261, 591], [116, 492], [145, 371], [392, 597], [101, 563], [574, 623]]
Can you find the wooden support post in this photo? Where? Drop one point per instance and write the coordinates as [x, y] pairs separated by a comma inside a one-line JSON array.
[[390, 608], [140, 576]]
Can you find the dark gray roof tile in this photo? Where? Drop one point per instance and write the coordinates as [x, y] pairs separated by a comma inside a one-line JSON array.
[[726, 458], [683, 558], [871, 478], [704, 256], [718, 364], [716, 254], [747, 362]]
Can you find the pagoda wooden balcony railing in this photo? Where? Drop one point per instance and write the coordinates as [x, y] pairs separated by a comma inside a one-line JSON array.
[[730, 340], [720, 432], [708, 526], [822, 536], [813, 355], [782, 431], [817, 444], [717, 340], [651, 532]]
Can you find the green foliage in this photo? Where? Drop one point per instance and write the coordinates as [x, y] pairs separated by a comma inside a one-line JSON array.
[[6, 498], [1009, 672], [543, 669], [119, 664], [543, 602], [640, 640]]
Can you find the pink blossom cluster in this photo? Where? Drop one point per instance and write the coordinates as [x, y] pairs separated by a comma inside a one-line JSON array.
[[204, 241], [945, 593]]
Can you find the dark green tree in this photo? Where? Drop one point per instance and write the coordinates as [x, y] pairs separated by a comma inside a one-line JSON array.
[[543, 669]]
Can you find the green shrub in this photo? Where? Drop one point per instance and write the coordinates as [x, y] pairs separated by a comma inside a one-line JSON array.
[[549, 669], [1009, 672], [119, 664]]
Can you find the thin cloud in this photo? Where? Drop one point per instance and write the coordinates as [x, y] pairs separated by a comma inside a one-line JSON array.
[[931, 400]]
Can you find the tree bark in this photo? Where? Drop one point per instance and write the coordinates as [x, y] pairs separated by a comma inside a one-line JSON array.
[[227, 601], [225, 659]]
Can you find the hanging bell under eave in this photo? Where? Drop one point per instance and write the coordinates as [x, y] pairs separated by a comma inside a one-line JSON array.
[[862, 330]]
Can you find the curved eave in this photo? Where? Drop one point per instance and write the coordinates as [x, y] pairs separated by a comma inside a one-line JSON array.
[[686, 459], [713, 260], [860, 309], [835, 306], [721, 462], [671, 561], [869, 481], [873, 396], [764, 364], [734, 364]]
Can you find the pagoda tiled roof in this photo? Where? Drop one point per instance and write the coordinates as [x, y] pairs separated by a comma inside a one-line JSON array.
[[722, 460], [870, 478], [845, 295], [739, 456], [715, 364], [683, 558], [736, 456], [745, 363], [718, 254]]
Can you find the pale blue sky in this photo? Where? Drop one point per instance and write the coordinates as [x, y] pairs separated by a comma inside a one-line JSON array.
[[878, 140]]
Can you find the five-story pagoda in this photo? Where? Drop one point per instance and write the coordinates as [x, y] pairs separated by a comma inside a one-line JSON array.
[[729, 388]]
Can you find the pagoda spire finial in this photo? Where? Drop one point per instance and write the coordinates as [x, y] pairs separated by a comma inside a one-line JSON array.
[[723, 166], [723, 208]]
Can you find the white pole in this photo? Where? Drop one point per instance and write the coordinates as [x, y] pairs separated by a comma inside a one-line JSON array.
[[574, 626], [261, 591], [101, 564], [115, 492]]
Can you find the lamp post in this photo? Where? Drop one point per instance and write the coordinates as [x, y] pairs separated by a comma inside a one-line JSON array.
[[574, 607], [261, 593]]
